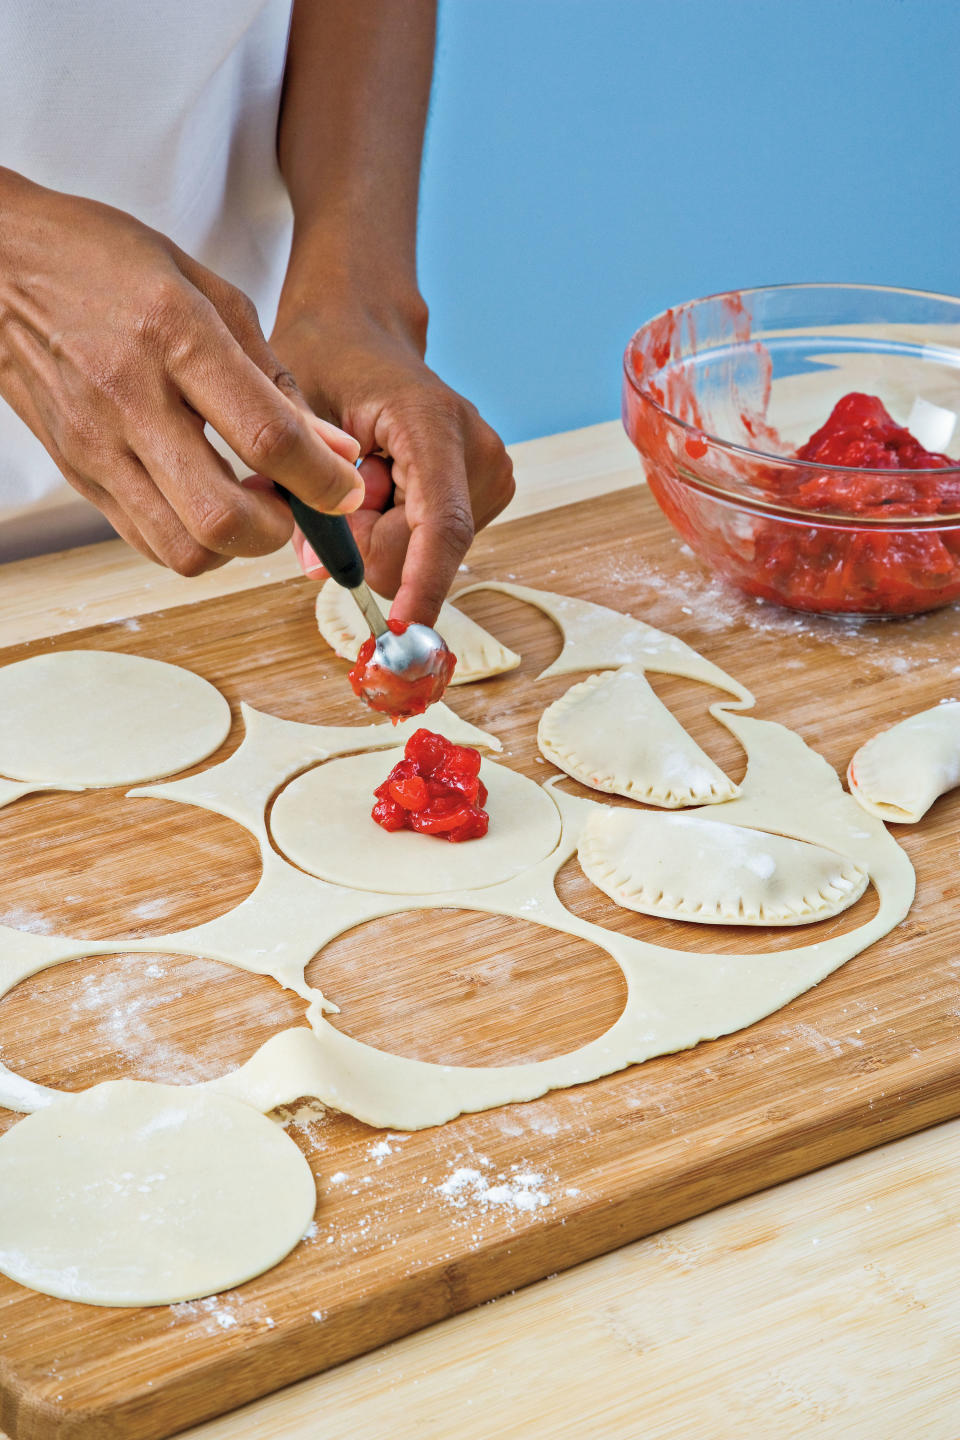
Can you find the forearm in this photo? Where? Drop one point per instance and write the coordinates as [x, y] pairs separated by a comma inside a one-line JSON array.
[[350, 140]]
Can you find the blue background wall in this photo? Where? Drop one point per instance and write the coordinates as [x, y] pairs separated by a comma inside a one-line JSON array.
[[590, 162]]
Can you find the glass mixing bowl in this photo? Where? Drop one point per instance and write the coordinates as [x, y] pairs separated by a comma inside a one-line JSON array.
[[720, 393]]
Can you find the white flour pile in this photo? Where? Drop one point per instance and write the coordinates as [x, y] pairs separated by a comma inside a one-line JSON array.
[[466, 1187]]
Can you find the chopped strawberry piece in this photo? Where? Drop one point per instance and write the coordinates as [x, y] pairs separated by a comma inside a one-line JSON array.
[[412, 794], [390, 815], [434, 790]]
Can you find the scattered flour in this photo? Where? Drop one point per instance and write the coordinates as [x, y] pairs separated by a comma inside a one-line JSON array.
[[762, 865], [20, 919], [219, 1315], [716, 607], [823, 1044], [122, 1007], [152, 909], [221, 1312], [307, 1118], [380, 1149], [519, 1191]]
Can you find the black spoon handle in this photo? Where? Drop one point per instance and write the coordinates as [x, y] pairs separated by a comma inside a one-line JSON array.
[[332, 540]]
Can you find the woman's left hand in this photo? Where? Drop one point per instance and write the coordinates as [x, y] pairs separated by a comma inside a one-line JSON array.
[[435, 472]]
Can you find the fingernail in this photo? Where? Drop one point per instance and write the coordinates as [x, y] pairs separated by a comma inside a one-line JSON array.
[[351, 501], [309, 559], [344, 444]]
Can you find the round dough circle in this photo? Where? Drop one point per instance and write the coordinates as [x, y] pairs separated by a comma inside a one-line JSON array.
[[321, 822], [138, 1194], [96, 717]]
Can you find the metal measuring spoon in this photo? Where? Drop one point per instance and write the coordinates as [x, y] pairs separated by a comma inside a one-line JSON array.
[[406, 667]]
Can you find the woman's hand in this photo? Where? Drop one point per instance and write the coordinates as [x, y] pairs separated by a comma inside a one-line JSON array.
[[116, 349], [435, 471]]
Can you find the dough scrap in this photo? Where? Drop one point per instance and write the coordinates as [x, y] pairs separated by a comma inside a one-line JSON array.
[[322, 822], [11, 790], [613, 733], [898, 774], [479, 654], [597, 638], [685, 867], [79, 718], [131, 1193]]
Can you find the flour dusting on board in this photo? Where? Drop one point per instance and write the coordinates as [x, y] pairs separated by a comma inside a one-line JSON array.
[[152, 909], [517, 1191], [219, 1313], [122, 1007], [309, 1118], [21, 919], [380, 1149], [715, 607]]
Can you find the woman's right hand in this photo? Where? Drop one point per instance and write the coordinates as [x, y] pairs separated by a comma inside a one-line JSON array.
[[116, 348]]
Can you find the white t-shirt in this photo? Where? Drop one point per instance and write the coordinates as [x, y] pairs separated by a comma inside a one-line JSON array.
[[166, 110]]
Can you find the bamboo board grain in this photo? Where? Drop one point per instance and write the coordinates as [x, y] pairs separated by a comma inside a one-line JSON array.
[[868, 1055]]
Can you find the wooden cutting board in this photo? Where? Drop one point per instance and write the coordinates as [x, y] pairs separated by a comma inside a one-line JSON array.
[[868, 1055]]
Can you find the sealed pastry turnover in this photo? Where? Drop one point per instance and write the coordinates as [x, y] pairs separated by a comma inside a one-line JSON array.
[[613, 733], [900, 772], [479, 654], [685, 867]]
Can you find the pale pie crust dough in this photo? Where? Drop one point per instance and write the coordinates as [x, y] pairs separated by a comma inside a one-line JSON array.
[[674, 998], [613, 733], [900, 772], [80, 718], [131, 1192], [597, 638], [11, 790], [479, 654], [275, 931], [695, 867], [321, 822]]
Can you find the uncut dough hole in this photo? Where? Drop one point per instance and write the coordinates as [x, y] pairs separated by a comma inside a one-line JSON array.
[[321, 822], [474, 990], [133, 1194], [168, 1018], [100, 717], [69, 869]]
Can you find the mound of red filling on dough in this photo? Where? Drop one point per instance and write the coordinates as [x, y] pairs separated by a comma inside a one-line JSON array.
[[435, 789]]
